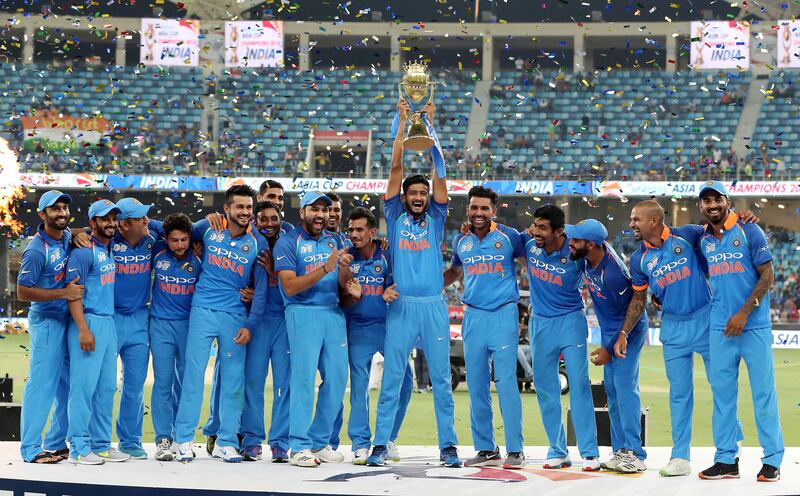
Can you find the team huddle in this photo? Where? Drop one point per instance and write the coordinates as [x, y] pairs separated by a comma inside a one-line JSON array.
[[309, 300]]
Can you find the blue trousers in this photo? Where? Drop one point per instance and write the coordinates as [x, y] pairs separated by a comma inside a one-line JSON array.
[[205, 325], [211, 426], [318, 341], [133, 343], [551, 337], [493, 336], [270, 343], [46, 385], [168, 344], [410, 318], [621, 380], [92, 384], [755, 347]]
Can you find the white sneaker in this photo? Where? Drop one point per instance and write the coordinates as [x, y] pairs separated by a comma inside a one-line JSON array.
[[392, 453], [676, 467], [164, 451], [360, 456], [304, 458], [630, 464], [327, 455], [613, 462], [229, 454], [183, 452], [114, 456], [557, 462], [89, 459], [591, 464]]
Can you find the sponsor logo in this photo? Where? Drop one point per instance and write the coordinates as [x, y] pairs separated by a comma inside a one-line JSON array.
[[317, 257], [107, 267], [414, 236], [176, 280], [535, 262], [484, 259], [722, 257], [224, 252], [669, 267], [370, 280], [132, 258]]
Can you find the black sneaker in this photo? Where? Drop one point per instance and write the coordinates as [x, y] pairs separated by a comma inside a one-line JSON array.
[[485, 459], [211, 442], [720, 471], [769, 473]]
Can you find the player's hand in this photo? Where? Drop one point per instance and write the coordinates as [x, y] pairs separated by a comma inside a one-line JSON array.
[[621, 346], [430, 110], [215, 221], [747, 216], [247, 294], [383, 243], [73, 291], [529, 230], [265, 260], [655, 301], [390, 294], [465, 227], [345, 259], [403, 108], [353, 288], [333, 259], [86, 340], [197, 248], [81, 239], [600, 356], [242, 337], [736, 324]]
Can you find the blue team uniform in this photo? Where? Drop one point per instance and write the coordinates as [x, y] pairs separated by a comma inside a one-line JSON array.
[[491, 331], [419, 312], [610, 288], [218, 313], [558, 326], [174, 284], [318, 343], [44, 265], [132, 293], [733, 263], [93, 375]]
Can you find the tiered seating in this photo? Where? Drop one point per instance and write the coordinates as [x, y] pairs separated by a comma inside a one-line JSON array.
[[777, 128]]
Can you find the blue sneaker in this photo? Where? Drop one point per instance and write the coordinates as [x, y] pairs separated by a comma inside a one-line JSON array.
[[378, 457], [135, 452], [279, 455], [252, 453], [449, 457]]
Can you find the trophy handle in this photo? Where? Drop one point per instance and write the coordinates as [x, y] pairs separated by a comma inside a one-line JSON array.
[[433, 85]]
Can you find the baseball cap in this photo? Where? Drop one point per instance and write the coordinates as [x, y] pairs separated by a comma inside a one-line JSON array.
[[589, 229], [50, 198], [311, 197], [101, 208], [713, 186], [131, 208]]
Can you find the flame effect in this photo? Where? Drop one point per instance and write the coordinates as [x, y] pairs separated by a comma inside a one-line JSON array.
[[10, 191]]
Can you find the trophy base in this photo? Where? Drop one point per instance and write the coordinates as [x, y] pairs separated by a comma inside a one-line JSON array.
[[418, 143]]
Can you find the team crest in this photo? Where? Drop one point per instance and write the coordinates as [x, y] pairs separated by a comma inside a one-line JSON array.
[[330, 245], [498, 245], [189, 268], [423, 224], [378, 269], [149, 246], [563, 260], [737, 242], [711, 247], [678, 250], [245, 248]]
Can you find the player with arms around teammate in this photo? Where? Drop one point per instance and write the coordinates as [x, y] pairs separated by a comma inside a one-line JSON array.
[[415, 224], [92, 343], [558, 326], [366, 332], [610, 288], [176, 271], [740, 272], [229, 257], [42, 281], [307, 263], [486, 258]]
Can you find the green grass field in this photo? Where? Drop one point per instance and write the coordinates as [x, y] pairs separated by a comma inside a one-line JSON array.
[[419, 426]]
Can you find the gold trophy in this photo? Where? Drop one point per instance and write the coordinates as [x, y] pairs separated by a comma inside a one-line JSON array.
[[416, 82]]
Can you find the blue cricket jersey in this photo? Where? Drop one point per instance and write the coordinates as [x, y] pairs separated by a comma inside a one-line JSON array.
[[674, 272], [44, 265], [375, 275], [174, 283], [555, 280], [415, 247], [490, 280], [133, 269], [302, 254], [733, 263], [95, 266]]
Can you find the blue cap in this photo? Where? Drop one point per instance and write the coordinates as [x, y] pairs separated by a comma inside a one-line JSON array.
[[101, 208], [50, 198], [714, 186], [589, 229], [311, 197], [131, 208]]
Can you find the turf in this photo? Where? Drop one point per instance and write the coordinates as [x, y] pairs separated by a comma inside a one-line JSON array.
[[420, 429]]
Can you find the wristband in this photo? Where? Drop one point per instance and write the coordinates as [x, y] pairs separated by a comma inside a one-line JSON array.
[[325, 270], [625, 333]]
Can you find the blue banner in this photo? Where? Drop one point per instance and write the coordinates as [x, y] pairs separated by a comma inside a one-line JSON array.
[[172, 183], [543, 188]]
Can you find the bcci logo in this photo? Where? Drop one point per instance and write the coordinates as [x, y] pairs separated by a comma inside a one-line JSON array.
[[423, 224], [563, 260], [678, 250], [330, 245], [245, 248], [737, 242], [378, 269], [189, 268], [498, 245], [149, 246]]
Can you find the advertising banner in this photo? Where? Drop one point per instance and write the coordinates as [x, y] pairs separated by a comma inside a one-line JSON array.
[[788, 44], [720, 45], [254, 44], [169, 42]]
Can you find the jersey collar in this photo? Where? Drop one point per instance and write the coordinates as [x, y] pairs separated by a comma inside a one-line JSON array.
[[225, 226], [730, 223], [43, 234], [307, 235], [376, 255], [664, 236]]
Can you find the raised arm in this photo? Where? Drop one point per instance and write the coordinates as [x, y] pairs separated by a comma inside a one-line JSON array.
[[396, 172], [439, 183]]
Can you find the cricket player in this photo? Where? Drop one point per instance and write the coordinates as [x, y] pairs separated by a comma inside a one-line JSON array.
[[415, 225], [366, 332], [93, 343], [307, 264], [41, 281], [740, 272], [486, 259], [610, 288], [229, 257], [176, 271], [557, 327]]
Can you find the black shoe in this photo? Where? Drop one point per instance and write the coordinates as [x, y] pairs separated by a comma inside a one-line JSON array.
[[720, 471], [211, 441], [769, 473], [485, 459]]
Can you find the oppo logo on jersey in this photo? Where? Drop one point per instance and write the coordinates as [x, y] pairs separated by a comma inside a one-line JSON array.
[[413, 236], [484, 264], [224, 252], [546, 272], [721, 257], [178, 280], [107, 274], [176, 285], [133, 264], [535, 262], [669, 267], [226, 259], [317, 257], [672, 272], [370, 280], [484, 259], [725, 263]]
